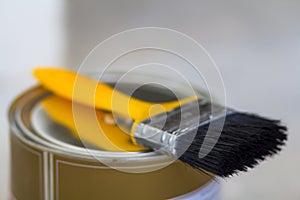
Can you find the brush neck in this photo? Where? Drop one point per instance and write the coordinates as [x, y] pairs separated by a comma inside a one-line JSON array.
[[163, 130]]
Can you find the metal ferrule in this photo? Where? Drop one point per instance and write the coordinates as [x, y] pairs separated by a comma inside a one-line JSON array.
[[162, 131]]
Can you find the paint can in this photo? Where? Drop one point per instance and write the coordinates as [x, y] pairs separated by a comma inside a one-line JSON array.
[[58, 167]]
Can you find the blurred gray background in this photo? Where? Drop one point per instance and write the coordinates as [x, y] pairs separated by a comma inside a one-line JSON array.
[[256, 45]]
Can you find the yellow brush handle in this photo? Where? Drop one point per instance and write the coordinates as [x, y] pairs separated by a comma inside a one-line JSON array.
[[106, 136], [93, 93]]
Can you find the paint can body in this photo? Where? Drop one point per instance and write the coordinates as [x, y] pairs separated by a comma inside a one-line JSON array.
[[61, 168]]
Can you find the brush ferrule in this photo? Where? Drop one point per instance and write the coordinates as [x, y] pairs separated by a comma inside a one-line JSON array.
[[162, 131], [154, 138]]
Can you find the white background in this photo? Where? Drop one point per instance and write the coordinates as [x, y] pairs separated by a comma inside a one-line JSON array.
[[256, 45]]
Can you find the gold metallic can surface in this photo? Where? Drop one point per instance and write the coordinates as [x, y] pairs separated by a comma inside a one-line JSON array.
[[43, 169]]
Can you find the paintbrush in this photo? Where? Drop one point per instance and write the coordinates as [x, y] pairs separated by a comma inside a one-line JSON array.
[[244, 140]]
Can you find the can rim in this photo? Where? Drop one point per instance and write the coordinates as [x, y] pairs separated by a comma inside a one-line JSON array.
[[24, 104]]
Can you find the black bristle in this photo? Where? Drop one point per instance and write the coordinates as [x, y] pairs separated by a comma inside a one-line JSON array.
[[245, 140]]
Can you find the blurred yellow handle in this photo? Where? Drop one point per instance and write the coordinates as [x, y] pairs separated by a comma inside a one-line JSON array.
[[96, 131], [85, 90]]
